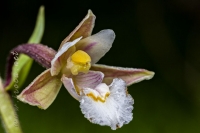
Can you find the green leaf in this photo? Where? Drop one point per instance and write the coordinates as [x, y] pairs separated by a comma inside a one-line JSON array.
[[37, 34], [23, 64]]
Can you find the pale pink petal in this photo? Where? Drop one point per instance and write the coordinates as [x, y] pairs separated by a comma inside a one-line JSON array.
[[69, 85], [42, 91], [88, 80], [97, 45], [84, 28], [81, 81], [61, 57], [129, 75]]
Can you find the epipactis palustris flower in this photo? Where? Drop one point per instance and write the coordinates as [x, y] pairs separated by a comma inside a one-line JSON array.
[[100, 89]]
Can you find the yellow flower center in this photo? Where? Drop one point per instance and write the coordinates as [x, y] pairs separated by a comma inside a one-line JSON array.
[[98, 98], [80, 57], [99, 94], [79, 62]]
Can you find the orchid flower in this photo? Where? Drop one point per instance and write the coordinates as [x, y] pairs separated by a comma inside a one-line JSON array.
[[100, 89]]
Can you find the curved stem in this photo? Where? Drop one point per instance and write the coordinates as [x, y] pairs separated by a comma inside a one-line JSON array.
[[7, 112], [40, 53]]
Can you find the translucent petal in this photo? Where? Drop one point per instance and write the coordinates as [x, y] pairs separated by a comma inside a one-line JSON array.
[[97, 45], [88, 80], [80, 81], [61, 57], [69, 85], [114, 112]]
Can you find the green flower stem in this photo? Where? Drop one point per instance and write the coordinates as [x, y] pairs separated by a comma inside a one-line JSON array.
[[7, 111], [8, 114], [24, 62]]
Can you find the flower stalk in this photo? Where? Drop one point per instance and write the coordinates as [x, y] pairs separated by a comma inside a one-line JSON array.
[[17, 65], [7, 112]]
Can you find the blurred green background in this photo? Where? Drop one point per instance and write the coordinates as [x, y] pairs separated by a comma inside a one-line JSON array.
[[159, 35]]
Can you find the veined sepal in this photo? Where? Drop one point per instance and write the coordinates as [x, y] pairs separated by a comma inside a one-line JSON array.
[[129, 75], [84, 29], [42, 91]]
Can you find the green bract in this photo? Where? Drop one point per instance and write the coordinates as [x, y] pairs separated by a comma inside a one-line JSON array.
[[23, 63]]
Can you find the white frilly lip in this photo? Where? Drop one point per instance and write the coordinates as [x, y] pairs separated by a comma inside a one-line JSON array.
[[114, 112]]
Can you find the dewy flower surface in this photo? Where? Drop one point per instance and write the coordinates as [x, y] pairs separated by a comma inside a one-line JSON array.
[[100, 89]]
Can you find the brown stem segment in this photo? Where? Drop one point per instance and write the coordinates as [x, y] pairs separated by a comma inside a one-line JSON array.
[[40, 53]]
